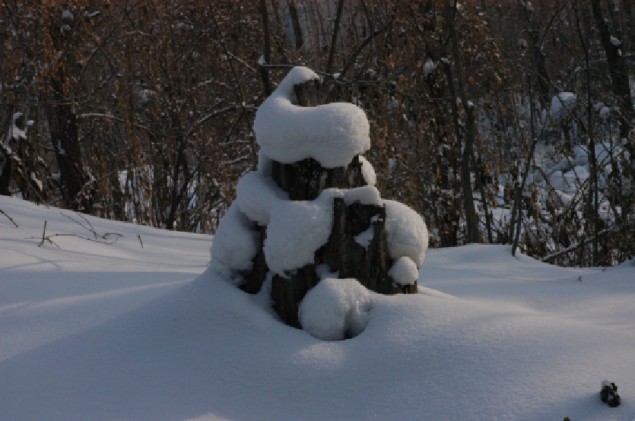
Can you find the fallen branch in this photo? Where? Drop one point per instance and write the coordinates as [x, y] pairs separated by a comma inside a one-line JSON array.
[[100, 238], [9, 218], [45, 238], [108, 238], [576, 246]]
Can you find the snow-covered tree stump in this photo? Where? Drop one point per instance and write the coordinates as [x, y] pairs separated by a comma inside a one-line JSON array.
[[311, 212]]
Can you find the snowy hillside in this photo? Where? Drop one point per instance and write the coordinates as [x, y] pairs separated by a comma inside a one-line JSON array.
[[138, 330]]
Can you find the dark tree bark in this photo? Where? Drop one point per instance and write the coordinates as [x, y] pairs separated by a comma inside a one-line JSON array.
[[471, 218], [295, 23], [617, 69], [65, 139], [264, 73], [336, 30]]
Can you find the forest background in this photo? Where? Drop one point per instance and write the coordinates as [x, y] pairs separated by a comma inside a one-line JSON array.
[[499, 121]]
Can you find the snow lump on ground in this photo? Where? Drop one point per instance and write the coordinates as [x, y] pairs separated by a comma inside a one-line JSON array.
[[335, 309]]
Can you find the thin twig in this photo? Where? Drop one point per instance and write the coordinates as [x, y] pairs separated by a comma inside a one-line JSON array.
[[9, 218]]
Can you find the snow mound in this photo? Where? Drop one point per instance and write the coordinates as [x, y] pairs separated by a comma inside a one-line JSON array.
[[331, 133], [335, 309], [256, 194], [234, 244], [368, 171], [404, 271], [406, 232]]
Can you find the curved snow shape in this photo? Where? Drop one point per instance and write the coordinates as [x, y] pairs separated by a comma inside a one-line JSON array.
[[335, 309], [256, 194], [368, 171], [366, 195], [234, 245], [332, 133], [406, 233], [404, 271], [296, 230]]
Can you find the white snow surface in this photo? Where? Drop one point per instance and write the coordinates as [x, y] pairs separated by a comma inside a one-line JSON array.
[[335, 309], [404, 271], [103, 332], [406, 233], [331, 133]]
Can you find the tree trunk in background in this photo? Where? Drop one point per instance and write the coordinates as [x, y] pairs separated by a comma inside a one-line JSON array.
[[295, 23], [65, 139], [471, 218], [617, 69], [620, 85], [537, 55]]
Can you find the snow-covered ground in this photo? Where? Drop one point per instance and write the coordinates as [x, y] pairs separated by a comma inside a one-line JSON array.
[[130, 332]]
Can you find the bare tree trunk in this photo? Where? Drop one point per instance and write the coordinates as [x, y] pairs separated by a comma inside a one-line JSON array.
[[620, 85], [266, 54], [617, 69], [593, 201], [471, 218], [295, 23], [517, 217], [537, 55], [336, 29], [65, 139]]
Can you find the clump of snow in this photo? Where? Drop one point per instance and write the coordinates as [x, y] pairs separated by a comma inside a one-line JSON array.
[[256, 194], [392, 164], [406, 233], [331, 133], [335, 309], [367, 195], [561, 105], [368, 172], [429, 67], [16, 131], [234, 245], [365, 237], [296, 230], [404, 271]]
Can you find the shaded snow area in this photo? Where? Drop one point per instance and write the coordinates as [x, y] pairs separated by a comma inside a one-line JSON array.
[[562, 105], [103, 332]]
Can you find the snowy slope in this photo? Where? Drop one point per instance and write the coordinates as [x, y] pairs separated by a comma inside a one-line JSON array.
[[101, 332]]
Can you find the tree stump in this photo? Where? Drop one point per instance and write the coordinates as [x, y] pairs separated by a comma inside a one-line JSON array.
[[343, 253], [350, 232]]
